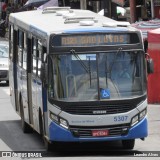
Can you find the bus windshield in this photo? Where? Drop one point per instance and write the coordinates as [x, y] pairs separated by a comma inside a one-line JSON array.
[[97, 76]]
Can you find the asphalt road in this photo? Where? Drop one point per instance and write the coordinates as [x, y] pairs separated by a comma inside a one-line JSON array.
[[13, 139]]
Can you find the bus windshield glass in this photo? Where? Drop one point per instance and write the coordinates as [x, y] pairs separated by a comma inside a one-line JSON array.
[[97, 76]]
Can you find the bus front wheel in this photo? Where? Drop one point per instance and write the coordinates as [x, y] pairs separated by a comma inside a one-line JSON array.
[[128, 144]]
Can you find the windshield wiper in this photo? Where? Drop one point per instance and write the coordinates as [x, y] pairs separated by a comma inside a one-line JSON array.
[[134, 61], [106, 72], [115, 57], [87, 69]]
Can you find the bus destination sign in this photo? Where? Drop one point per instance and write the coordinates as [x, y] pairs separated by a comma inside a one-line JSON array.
[[89, 40]]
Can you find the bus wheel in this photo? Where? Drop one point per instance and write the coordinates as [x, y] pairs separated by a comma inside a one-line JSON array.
[[128, 144], [25, 127]]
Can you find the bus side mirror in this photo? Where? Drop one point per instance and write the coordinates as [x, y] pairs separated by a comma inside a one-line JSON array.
[[150, 66], [44, 75]]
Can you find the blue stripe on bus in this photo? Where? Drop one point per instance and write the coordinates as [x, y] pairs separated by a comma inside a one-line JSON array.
[[58, 133], [100, 29]]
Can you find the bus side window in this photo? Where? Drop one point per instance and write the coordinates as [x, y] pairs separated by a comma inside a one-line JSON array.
[[11, 31], [34, 54], [39, 56], [25, 51], [20, 47]]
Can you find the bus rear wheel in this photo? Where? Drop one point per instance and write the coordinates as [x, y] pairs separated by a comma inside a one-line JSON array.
[[128, 144], [25, 127]]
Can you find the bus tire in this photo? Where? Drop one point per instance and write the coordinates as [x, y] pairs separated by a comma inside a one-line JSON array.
[[25, 127], [128, 144]]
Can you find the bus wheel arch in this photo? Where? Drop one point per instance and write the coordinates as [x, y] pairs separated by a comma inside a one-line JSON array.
[[25, 127]]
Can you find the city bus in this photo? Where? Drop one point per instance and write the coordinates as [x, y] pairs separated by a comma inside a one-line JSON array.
[[76, 76]]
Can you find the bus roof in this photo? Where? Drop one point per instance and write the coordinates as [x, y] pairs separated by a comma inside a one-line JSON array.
[[51, 23]]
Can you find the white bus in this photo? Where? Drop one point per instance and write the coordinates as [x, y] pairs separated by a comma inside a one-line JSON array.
[[76, 76]]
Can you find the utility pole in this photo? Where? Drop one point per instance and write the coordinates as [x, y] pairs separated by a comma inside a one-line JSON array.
[[107, 8], [133, 10], [152, 9], [83, 4]]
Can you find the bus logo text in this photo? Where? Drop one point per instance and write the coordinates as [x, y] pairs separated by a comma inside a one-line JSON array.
[[100, 112]]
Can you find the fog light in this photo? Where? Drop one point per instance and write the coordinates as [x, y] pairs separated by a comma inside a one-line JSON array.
[[134, 120], [142, 114], [63, 123], [54, 117]]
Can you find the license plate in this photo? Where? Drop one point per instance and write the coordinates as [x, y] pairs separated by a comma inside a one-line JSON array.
[[100, 133]]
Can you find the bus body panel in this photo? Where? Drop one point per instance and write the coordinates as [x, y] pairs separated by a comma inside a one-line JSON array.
[[140, 130], [12, 88], [22, 91], [58, 133], [98, 120], [36, 92]]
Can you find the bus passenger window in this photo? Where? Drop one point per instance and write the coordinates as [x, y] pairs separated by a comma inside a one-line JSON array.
[[34, 65], [25, 51], [11, 42], [34, 54], [24, 59], [39, 56], [34, 47], [20, 47], [20, 58]]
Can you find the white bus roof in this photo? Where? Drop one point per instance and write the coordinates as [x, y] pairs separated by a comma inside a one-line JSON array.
[[49, 23]]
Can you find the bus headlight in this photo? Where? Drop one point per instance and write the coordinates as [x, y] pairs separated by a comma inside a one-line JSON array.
[[134, 120], [62, 122], [142, 114], [138, 117], [54, 117]]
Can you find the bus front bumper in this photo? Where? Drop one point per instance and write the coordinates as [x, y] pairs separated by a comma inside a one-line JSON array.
[[60, 134]]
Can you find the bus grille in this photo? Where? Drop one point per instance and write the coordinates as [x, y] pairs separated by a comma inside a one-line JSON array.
[[83, 132], [99, 110]]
